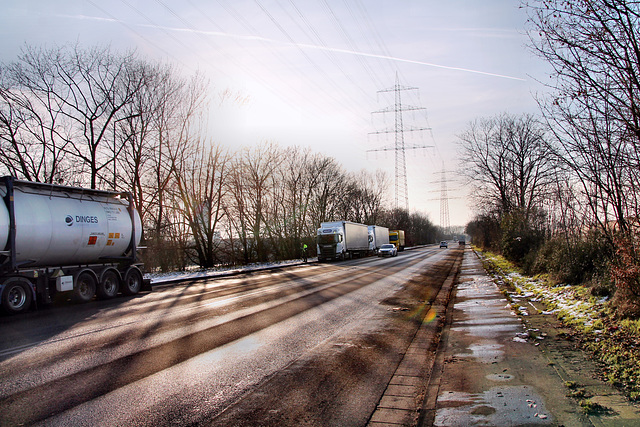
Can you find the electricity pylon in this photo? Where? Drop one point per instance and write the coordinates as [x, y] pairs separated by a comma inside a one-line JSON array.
[[445, 223], [444, 204], [401, 194]]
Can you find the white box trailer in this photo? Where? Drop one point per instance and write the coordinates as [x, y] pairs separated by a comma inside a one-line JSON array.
[[56, 238], [378, 236], [342, 240]]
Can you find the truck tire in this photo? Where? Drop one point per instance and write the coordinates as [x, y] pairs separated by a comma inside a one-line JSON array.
[[109, 285], [16, 296], [132, 281], [84, 288]]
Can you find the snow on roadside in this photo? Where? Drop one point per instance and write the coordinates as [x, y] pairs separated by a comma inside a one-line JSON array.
[[565, 301], [160, 278]]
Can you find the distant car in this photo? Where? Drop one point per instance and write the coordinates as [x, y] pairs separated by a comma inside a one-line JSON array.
[[461, 242], [444, 244], [388, 250]]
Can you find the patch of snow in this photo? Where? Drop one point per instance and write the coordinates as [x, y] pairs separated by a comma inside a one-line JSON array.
[[158, 278]]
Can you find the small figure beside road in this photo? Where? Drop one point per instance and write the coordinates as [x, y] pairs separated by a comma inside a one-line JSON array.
[[304, 252]]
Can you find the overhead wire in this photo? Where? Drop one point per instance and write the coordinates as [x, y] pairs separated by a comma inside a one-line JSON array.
[[161, 28], [311, 62], [364, 33], [134, 31], [367, 31], [250, 71], [349, 40], [371, 29], [379, 41], [328, 53], [316, 38], [414, 169], [238, 17], [382, 46]]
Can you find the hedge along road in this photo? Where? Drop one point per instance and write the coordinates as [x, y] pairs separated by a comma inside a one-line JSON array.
[[188, 353]]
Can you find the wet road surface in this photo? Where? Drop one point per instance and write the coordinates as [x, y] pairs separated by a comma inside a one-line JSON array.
[[310, 345]]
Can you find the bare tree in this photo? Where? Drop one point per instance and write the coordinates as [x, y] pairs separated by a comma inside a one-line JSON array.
[[291, 213], [289, 206], [373, 191], [329, 191], [593, 47], [509, 163], [83, 94], [175, 106], [33, 132], [236, 214], [252, 186], [201, 187]]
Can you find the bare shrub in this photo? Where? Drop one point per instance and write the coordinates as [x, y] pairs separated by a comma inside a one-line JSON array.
[[626, 275]]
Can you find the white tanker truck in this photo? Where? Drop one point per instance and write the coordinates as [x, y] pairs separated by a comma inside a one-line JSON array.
[[56, 239]]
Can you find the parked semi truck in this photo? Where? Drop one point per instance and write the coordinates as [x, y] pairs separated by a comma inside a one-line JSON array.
[[397, 238], [378, 236], [59, 240], [342, 239]]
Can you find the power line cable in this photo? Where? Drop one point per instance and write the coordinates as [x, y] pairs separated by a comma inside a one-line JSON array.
[[304, 54], [328, 53], [133, 30], [155, 25]]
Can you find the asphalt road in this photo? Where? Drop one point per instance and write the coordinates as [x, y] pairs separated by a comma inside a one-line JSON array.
[[308, 345]]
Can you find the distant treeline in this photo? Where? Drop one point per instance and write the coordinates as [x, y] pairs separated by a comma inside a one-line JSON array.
[[103, 119]]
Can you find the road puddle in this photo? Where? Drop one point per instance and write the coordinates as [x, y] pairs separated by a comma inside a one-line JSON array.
[[499, 406]]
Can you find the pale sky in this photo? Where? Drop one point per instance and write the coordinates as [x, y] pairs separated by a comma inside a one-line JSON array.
[[312, 70]]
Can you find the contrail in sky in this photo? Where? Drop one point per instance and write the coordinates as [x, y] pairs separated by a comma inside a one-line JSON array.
[[393, 58], [309, 46]]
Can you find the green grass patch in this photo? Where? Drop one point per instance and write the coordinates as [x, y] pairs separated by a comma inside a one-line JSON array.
[[593, 408]]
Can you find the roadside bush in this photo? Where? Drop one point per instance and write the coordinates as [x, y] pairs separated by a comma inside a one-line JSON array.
[[576, 261], [625, 274], [520, 239], [485, 232], [164, 255]]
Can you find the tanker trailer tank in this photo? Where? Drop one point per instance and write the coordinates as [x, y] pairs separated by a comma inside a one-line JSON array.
[[56, 239]]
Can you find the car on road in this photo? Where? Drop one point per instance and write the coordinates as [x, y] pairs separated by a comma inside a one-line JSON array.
[[444, 244], [388, 249]]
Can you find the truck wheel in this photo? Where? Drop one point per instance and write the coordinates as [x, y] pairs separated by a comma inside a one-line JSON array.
[[109, 285], [132, 282], [85, 288], [16, 296]]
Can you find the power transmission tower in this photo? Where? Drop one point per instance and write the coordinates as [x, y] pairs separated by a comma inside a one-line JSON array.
[[444, 204], [445, 223], [401, 193]]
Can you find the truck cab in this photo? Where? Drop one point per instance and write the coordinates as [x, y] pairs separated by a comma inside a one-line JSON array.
[[396, 237], [330, 243], [341, 240]]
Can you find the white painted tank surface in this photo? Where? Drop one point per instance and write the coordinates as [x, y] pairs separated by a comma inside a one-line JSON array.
[[55, 227]]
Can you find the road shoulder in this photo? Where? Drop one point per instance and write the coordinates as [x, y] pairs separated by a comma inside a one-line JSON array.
[[488, 371]]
